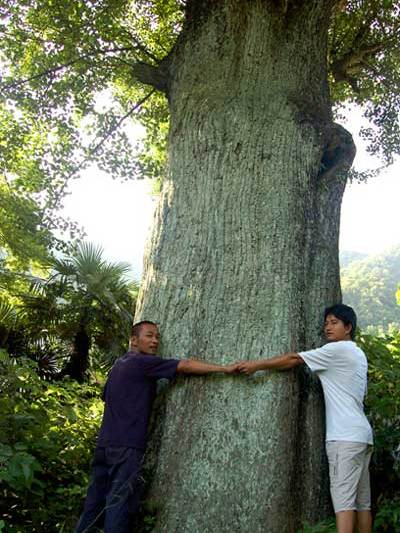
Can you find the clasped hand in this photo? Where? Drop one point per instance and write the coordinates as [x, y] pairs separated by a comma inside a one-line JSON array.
[[241, 367]]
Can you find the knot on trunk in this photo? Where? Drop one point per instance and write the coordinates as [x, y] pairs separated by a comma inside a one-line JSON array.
[[339, 152]]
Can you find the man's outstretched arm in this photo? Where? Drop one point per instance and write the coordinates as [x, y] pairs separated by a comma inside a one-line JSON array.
[[285, 361], [192, 366]]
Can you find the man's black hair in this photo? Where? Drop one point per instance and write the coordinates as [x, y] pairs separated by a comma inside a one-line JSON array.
[[135, 331], [346, 314]]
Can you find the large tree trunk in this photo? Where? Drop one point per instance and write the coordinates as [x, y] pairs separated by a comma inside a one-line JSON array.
[[242, 260]]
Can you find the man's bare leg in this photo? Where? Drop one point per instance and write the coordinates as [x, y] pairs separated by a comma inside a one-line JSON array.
[[345, 521], [364, 521]]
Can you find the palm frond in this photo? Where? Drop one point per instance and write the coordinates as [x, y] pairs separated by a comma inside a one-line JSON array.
[[87, 257], [8, 314], [84, 292]]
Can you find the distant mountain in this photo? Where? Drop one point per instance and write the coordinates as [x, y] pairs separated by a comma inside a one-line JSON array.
[[369, 284], [347, 257]]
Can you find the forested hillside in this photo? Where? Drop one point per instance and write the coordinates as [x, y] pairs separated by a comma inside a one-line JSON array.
[[369, 284], [347, 257]]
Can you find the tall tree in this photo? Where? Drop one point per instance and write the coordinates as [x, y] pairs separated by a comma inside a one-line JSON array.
[[244, 252]]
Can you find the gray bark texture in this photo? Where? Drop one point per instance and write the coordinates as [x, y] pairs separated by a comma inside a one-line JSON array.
[[242, 260]]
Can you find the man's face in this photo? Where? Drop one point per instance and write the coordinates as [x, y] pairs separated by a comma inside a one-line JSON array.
[[335, 330], [147, 340]]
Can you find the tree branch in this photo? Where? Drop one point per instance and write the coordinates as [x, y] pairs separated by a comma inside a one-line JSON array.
[[92, 150], [42, 74], [57, 68], [157, 77], [140, 46], [353, 62]]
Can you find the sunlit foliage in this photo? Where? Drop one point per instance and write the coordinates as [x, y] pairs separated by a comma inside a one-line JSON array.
[[47, 433], [69, 88]]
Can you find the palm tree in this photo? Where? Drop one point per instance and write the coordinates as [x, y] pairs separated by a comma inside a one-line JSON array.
[[86, 301]]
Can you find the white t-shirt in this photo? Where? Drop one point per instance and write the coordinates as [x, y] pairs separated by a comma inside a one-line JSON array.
[[342, 368]]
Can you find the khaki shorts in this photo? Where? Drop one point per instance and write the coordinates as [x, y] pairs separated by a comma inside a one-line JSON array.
[[349, 475]]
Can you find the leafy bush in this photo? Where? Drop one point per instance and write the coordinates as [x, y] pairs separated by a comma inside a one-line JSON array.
[[388, 516], [47, 434], [48, 430], [383, 409]]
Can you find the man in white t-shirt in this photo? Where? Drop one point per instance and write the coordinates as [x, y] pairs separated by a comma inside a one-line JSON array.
[[342, 368]]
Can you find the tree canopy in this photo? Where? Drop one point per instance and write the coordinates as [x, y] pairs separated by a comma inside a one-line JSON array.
[[60, 61]]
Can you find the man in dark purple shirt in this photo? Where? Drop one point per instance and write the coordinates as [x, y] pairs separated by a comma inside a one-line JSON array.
[[113, 495]]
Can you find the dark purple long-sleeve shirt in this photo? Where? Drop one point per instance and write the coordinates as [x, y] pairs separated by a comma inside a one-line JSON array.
[[129, 394]]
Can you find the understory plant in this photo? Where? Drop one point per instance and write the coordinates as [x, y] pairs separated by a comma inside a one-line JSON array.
[[47, 435]]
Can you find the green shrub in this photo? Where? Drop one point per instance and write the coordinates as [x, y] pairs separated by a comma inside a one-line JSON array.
[[47, 435], [387, 518], [48, 430], [383, 410]]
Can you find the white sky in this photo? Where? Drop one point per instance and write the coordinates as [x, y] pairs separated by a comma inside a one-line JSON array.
[[370, 211], [118, 215], [113, 214]]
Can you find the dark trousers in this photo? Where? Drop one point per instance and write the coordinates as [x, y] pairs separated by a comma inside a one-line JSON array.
[[113, 496]]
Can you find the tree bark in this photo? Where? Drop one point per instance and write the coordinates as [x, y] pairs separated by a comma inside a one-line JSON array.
[[241, 262]]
